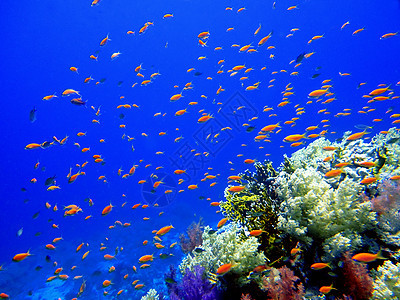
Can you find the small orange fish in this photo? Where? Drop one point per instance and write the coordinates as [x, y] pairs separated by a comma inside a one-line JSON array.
[[104, 41], [21, 256], [164, 230], [326, 289], [358, 31], [236, 189], [107, 283], [224, 269], [319, 266], [222, 222], [356, 136], [368, 180], [256, 232], [333, 173], [146, 258], [107, 210], [368, 257]]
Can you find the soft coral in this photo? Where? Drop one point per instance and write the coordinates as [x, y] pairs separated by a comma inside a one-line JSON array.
[[285, 288]]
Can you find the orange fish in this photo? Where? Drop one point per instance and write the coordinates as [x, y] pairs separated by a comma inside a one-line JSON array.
[[256, 232], [204, 119], [326, 289], [176, 97], [319, 266], [236, 189], [107, 210], [146, 258], [333, 173], [164, 230], [104, 41], [222, 222], [368, 180], [107, 283], [368, 257], [294, 137], [356, 136], [21, 256], [317, 93], [224, 269]]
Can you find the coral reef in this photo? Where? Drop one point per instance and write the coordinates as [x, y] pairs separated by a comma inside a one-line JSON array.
[[229, 245], [326, 201], [194, 237], [387, 281]]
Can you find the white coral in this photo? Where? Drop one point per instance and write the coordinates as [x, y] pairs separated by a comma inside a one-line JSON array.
[[226, 247], [387, 282], [312, 209], [151, 295]]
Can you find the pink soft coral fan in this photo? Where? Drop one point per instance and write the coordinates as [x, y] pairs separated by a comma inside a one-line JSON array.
[[357, 283], [286, 288], [388, 198]]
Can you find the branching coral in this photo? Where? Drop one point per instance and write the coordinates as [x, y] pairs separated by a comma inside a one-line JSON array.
[[229, 246]]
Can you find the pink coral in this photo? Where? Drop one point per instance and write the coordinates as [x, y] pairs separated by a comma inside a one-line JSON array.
[[286, 288], [357, 283], [388, 198]]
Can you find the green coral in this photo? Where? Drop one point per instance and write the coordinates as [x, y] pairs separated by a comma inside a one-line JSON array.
[[387, 281], [256, 207], [151, 295], [250, 211], [313, 210], [229, 246]]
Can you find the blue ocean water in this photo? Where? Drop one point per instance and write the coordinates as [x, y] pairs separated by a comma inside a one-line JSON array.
[[41, 40]]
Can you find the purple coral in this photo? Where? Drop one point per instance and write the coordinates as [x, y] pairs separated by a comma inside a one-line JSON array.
[[286, 288], [357, 283], [194, 239], [194, 286]]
